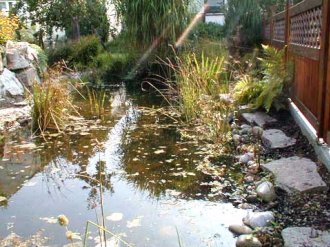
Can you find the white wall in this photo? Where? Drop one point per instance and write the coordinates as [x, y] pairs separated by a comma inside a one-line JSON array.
[[215, 18], [6, 5]]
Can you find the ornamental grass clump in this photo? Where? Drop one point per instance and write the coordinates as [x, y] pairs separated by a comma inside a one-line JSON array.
[[51, 104]]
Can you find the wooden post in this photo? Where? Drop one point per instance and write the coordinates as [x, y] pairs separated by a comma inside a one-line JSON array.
[[272, 13], [287, 30], [324, 83]]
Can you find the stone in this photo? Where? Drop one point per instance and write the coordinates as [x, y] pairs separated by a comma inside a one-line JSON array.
[[240, 229], [245, 158], [28, 77], [274, 138], [259, 219], [257, 131], [3, 199], [258, 118], [10, 85], [14, 114], [24, 48], [236, 139], [266, 191], [296, 175], [305, 236], [248, 241], [15, 60]]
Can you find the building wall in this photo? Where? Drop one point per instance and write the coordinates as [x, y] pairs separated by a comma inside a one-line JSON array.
[[7, 5], [215, 18]]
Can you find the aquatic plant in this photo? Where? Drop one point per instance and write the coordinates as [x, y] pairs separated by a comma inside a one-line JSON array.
[[96, 99], [51, 103]]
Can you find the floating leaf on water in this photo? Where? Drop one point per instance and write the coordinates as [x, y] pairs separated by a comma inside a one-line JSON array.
[[72, 235], [115, 217], [169, 160], [84, 133], [136, 159], [134, 223], [50, 220], [160, 151]]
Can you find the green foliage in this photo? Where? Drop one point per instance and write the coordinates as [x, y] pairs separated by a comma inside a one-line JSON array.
[[147, 21], [276, 76], [42, 59], [211, 31], [271, 90], [247, 90], [79, 53], [247, 17], [86, 49], [50, 14]]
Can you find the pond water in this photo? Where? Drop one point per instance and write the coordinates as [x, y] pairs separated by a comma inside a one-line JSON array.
[[151, 190]]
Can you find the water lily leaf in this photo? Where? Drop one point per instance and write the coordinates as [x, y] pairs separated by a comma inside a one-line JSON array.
[[134, 223]]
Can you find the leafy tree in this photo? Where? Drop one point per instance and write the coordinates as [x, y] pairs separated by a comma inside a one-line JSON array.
[[152, 21], [69, 15]]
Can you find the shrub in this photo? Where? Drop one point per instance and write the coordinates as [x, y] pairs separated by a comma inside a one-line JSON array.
[[86, 49], [210, 31], [79, 53], [8, 26], [271, 89]]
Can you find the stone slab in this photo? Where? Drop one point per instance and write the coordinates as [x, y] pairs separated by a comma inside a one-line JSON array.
[[296, 175], [274, 138], [258, 118], [305, 236], [10, 85]]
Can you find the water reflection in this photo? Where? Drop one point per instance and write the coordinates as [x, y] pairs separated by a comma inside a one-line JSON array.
[[146, 170]]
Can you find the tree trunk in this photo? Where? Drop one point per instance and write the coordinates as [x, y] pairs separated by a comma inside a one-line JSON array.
[[75, 29]]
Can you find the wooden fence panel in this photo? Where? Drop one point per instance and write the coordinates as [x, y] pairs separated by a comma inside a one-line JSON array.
[[303, 29]]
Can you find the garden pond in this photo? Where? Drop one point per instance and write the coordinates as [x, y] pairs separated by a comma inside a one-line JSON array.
[[152, 193]]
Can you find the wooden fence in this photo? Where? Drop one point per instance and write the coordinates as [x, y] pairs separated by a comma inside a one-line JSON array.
[[303, 30]]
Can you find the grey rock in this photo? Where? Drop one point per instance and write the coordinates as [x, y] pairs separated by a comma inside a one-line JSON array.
[[28, 77], [15, 60], [274, 138], [296, 175], [9, 85], [266, 191], [258, 118], [248, 241], [245, 158], [240, 229], [258, 219], [305, 236]]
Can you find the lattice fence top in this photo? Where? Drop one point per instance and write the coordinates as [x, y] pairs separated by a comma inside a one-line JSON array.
[[279, 30], [305, 28], [267, 32]]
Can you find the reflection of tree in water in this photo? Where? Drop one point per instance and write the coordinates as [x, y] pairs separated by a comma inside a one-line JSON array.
[[100, 177]]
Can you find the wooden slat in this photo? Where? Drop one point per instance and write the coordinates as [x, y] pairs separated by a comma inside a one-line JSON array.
[[279, 16], [278, 44], [303, 51], [304, 6], [324, 97]]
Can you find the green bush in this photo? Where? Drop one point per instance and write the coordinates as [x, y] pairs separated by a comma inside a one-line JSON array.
[[210, 31], [81, 53], [86, 49], [63, 52]]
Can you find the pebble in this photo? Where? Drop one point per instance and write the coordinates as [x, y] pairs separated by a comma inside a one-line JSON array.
[[240, 229], [248, 241], [266, 191], [3, 199], [245, 158], [259, 219]]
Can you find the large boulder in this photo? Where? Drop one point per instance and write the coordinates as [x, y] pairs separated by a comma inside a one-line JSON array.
[[28, 76], [10, 85], [15, 60], [24, 49], [1, 63]]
